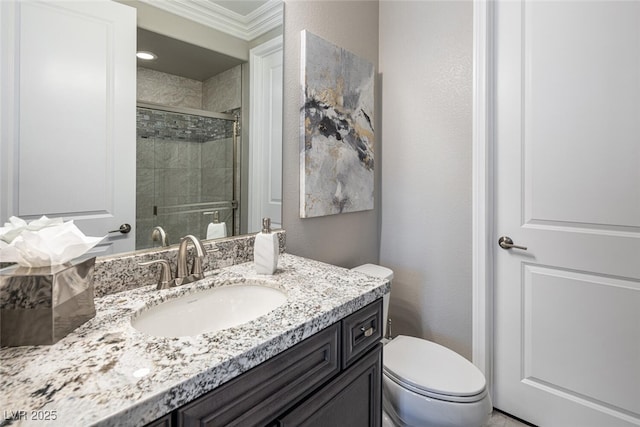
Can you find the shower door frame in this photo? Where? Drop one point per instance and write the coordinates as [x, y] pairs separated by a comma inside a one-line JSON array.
[[235, 175]]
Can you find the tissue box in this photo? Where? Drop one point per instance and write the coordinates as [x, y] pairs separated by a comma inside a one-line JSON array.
[[42, 305]]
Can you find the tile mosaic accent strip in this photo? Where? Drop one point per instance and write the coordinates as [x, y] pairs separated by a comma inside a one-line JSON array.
[[181, 127]]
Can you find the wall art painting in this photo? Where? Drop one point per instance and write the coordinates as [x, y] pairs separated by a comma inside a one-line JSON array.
[[337, 132]]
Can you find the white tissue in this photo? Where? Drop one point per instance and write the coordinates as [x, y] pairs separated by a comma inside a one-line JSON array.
[[15, 226], [43, 242]]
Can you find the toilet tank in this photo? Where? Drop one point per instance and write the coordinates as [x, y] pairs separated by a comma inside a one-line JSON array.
[[382, 273]]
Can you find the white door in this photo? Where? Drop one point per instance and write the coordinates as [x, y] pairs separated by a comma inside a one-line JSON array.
[[567, 186], [68, 115], [265, 135]]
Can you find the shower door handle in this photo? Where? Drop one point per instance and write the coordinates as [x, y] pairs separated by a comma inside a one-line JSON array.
[[505, 242]]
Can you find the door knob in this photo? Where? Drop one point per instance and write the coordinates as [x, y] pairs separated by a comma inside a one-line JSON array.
[[124, 229], [506, 243]]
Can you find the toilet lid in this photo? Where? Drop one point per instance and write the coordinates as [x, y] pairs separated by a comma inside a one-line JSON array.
[[428, 367]]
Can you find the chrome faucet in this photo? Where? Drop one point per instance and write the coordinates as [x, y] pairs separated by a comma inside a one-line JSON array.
[[182, 274]]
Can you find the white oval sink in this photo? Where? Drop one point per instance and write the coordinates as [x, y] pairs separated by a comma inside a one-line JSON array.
[[209, 310]]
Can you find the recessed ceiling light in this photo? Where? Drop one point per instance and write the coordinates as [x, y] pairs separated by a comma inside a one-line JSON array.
[[147, 56]]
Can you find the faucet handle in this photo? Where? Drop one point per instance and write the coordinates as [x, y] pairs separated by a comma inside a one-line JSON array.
[[196, 268], [165, 281]]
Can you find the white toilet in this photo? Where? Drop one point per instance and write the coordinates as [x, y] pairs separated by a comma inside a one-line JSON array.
[[425, 384]]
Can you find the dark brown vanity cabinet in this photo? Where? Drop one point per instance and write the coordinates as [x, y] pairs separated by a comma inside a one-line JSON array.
[[350, 400], [333, 378]]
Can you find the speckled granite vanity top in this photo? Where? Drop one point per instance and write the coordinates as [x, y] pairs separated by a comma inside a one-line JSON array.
[[108, 373]]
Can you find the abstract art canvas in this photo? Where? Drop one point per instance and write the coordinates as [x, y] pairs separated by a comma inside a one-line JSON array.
[[337, 132]]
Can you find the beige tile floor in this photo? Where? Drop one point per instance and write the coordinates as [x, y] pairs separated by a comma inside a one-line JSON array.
[[498, 419]]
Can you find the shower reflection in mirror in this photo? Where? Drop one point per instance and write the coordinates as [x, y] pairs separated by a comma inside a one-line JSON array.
[[186, 168]]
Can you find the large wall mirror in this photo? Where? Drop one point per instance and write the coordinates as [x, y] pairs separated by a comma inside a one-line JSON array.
[[208, 117]]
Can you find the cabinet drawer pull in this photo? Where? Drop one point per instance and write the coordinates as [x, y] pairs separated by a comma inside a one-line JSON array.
[[361, 331], [367, 332]]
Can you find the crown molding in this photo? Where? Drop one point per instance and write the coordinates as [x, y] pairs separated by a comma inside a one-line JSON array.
[[261, 20]]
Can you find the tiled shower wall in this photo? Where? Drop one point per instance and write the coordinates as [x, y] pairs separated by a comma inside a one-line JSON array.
[[176, 165], [220, 93], [183, 158], [167, 89]]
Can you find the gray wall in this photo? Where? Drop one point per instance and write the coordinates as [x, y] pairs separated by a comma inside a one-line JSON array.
[[426, 67], [347, 239]]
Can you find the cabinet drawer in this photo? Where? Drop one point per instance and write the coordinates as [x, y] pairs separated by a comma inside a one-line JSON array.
[[361, 331], [258, 396]]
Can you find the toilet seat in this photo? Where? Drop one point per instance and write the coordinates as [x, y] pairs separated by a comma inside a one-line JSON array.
[[433, 371]]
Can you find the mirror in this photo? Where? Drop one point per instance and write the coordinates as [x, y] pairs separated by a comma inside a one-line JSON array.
[[195, 135], [188, 112], [201, 158]]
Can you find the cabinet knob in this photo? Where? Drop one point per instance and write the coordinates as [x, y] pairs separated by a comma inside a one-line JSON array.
[[367, 332]]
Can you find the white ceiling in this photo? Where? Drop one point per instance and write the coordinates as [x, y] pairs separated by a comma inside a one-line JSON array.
[[182, 59], [240, 18], [242, 7], [245, 19]]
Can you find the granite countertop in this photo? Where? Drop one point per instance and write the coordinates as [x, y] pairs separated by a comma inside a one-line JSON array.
[[109, 374]]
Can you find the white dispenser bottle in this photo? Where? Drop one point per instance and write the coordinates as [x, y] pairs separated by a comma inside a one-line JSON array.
[[266, 249]]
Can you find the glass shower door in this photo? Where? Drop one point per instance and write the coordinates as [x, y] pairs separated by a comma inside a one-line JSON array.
[[185, 175]]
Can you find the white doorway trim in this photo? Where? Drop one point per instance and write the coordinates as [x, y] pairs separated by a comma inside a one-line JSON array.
[[482, 189], [258, 128]]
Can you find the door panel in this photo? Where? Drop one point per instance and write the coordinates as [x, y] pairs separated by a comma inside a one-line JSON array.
[[567, 186], [72, 89], [74, 134], [265, 173], [581, 112], [568, 337]]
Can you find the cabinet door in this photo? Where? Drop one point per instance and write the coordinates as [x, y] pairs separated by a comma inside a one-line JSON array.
[[161, 422], [354, 399], [68, 74], [258, 396]]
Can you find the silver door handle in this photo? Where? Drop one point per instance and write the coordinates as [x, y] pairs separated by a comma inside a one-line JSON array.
[[506, 243], [124, 229]]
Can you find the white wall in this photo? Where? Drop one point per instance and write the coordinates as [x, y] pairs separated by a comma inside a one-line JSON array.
[[426, 66]]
